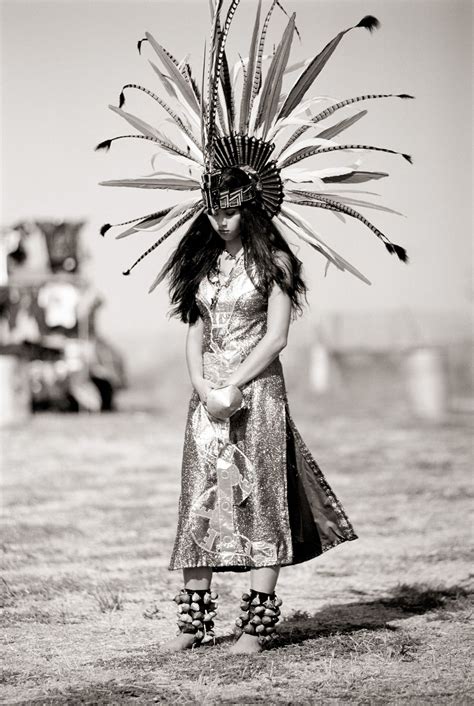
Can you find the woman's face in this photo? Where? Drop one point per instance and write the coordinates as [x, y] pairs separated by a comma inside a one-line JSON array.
[[226, 222]]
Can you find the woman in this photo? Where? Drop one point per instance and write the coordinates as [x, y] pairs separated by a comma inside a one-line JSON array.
[[252, 496], [245, 501]]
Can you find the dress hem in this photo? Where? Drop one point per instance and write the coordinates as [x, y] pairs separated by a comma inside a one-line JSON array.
[[248, 567]]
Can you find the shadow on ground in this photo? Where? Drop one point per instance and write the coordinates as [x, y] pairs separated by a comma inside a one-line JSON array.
[[404, 602]]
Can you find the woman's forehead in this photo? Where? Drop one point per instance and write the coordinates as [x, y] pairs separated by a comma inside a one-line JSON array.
[[227, 211]]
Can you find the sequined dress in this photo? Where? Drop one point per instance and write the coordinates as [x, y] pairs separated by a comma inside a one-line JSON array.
[[252, 494]]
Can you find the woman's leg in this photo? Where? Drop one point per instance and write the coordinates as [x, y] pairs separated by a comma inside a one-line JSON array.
[[195, 578], [264, 580]]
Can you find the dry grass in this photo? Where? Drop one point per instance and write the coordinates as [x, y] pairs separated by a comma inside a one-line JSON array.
[[90, 512]]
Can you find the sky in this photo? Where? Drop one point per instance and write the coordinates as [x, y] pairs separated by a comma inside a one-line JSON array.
[[64, 62]]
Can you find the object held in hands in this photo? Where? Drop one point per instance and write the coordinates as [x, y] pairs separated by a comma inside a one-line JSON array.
[[223, 402]]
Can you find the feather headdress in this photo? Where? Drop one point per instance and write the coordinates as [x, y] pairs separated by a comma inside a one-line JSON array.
[[259, 131]]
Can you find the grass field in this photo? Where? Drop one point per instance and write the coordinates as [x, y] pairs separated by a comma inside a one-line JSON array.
[[89, 518]]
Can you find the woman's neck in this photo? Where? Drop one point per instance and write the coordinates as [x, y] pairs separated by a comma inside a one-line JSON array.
[[233, 246]]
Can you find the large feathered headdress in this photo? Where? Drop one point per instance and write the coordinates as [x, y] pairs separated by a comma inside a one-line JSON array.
[[258, 131]]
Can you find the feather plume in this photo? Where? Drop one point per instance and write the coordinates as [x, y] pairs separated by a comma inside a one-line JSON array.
[[173, 212], [329, 204], [141, 227], [313, 70], [304, 231], [268, 103], [166, 235], [172, 67], [174, 184], [215, 68], [228, 92], [249, 76], [342, 199], [355, 177], [105, 145], [165, 80], [139, 124], [167, 146], [257, 80], [164, 105], [342, 125], [337, 106], [309, 151], [142, 219]]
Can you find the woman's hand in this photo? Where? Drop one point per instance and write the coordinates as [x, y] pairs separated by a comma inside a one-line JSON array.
[[203, 388], [223, 402]]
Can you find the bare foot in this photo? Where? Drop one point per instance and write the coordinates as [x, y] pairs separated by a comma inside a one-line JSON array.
[[183, 641], [246, 645]]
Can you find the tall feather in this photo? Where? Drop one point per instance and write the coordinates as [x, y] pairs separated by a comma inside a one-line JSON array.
[[215, 69], [249, 75], [172, 67], [268, 103], [165, 80], [228, 92], [257, 80], [203, 104], [309, 75]]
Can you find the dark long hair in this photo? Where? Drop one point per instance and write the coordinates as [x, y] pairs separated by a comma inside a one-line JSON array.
[[198, 250]]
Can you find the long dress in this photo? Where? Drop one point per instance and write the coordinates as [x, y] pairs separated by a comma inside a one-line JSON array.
[[252, 494]]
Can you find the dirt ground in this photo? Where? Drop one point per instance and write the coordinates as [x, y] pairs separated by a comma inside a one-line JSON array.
[[90, 507]]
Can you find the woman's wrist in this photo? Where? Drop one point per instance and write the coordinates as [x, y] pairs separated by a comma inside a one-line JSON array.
[[231, 381]]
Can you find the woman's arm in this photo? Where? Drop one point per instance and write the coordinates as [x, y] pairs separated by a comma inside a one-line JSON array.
[[274, 340], [194, 359]]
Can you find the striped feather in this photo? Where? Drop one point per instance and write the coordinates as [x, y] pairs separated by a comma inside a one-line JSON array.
[[342, 104], [166, 235], [249, 75], [164, 105], [257, 80], [309, 151], [215, 67], [228, 92], [139, 124], [342, 199], [329, 204], [167, 146], [151, 217]]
